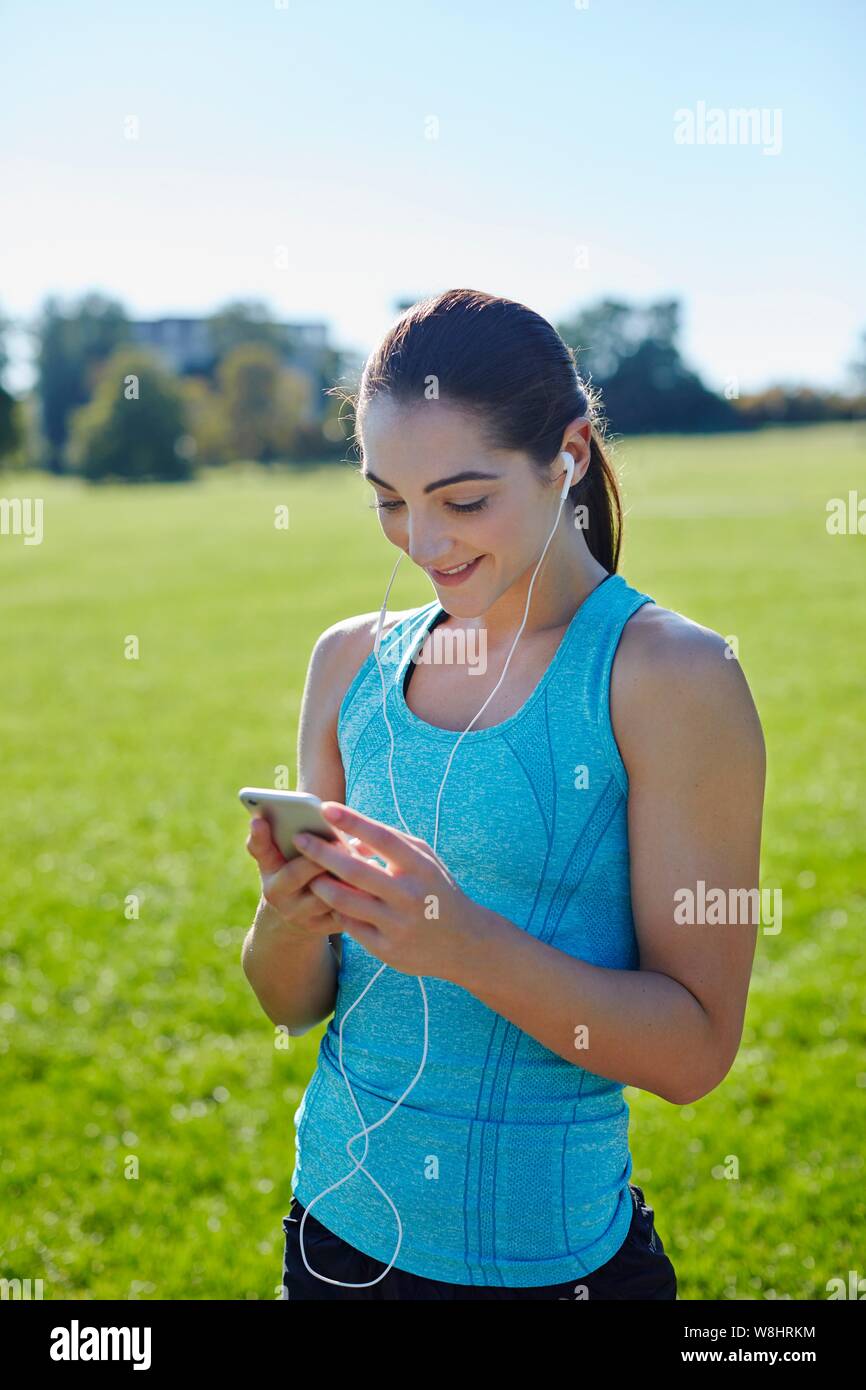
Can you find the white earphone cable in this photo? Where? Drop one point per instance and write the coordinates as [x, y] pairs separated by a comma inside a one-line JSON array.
[[365, 1129]]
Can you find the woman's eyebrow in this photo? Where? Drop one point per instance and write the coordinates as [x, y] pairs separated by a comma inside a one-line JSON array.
[[467, 476]]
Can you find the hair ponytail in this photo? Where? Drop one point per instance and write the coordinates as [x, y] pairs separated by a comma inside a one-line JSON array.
[[598, 492]]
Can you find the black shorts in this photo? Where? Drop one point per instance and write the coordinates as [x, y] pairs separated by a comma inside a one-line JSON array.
[[640, 1268]]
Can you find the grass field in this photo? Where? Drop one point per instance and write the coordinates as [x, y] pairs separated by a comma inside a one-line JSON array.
[[139, 1041]]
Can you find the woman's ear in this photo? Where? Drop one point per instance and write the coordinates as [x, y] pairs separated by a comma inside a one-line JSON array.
[[577, 441]]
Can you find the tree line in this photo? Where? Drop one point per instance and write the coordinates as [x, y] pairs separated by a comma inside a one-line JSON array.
[[105, 407]]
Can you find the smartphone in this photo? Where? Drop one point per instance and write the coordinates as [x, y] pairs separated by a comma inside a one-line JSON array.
[[287, 813]]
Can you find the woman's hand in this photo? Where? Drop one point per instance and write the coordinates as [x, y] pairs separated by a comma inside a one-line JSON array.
[[286, 885], [410, 914]]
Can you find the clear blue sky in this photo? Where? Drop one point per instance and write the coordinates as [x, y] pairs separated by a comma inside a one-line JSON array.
[[304, 127]]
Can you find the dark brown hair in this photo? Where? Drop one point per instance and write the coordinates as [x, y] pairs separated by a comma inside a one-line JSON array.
[[507, 367]]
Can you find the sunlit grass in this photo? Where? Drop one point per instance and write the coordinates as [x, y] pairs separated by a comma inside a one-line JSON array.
[[136, 1040]]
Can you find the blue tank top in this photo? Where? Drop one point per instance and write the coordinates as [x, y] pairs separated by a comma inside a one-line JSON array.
[[509, 1165]]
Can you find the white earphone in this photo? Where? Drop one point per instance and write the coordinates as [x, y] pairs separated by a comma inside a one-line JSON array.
[[569, 467]]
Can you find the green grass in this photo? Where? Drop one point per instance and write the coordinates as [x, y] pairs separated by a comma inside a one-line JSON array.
[[141, 1039]]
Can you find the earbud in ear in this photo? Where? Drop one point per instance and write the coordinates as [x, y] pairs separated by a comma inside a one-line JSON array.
[[569, 467]]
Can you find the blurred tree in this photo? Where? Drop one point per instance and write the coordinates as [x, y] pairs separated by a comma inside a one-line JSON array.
[[134, 429], [857, 368], [206, 420], [653, 391], [631, 354], [72, 347], [662, 322], [242, 322], [6, 324], [601, 335], [246, 321], [11, 428], [799, 405], [266, 405], [11, 431], [297, 435]]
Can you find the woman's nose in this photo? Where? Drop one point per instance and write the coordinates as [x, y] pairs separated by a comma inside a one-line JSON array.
[[425, 548]]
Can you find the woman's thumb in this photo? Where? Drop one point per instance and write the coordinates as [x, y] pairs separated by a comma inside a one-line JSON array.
[[261, 846]]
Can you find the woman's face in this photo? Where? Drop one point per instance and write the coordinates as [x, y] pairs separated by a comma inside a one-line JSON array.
[[413, 458]]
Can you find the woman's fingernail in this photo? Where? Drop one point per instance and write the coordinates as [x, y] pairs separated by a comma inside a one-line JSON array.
[[302, 840]]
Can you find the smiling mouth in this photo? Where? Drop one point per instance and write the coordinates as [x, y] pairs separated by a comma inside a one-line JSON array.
[[457, 572], [455, 569]]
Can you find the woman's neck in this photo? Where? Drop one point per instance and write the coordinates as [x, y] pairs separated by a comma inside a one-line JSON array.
[[567, 576]]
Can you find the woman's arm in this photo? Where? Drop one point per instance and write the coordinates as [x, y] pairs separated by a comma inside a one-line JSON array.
[[692, 745], [293, 971]]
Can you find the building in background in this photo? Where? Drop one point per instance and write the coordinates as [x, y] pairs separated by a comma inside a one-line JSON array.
[[185, 346]]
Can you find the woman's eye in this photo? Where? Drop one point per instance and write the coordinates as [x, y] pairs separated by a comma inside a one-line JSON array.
[[468, 506], [454, 506]]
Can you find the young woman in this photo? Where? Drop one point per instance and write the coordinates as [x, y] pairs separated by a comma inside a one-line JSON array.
[[536, 897]]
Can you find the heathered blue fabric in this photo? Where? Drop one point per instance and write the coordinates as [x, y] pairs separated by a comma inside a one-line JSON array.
[[496, 1117]]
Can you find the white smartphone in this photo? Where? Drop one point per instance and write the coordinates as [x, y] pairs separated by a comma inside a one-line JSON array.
[[287, 813]]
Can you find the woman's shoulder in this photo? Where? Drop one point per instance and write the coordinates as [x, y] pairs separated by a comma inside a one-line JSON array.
[[351, 637], [673, 680], [655, 637], [341, 650]]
